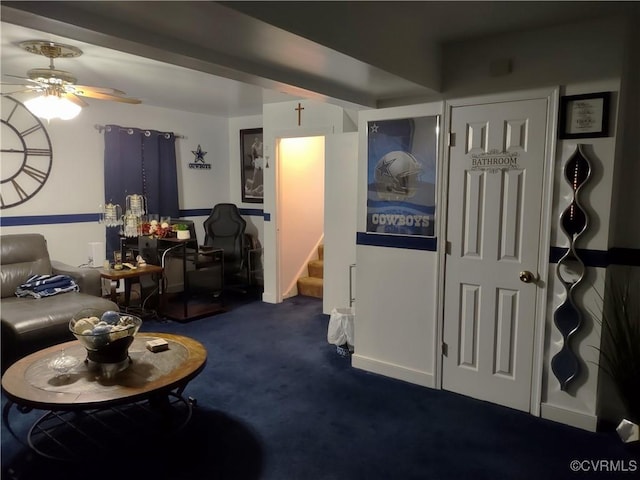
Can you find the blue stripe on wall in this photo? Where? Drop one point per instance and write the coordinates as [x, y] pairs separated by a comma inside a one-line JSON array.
[[49, 219], [591, 258], [195, 212], [204, 212], [94, 217], [252, 212], [600, 258], [397, 241], [624, 256]]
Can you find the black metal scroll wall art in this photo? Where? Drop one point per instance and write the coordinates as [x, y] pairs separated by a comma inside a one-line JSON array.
[[573, 222]]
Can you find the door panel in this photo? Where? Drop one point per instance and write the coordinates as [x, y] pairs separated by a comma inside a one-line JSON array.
[[496, 173]]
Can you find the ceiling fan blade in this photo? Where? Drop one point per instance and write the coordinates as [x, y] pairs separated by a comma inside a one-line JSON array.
[[19, 85], [25, 79], [29, 90], [88, 88], [75, 99], [106, 96], [24, 90]]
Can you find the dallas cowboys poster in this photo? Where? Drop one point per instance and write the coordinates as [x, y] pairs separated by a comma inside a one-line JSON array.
[[402, 163]]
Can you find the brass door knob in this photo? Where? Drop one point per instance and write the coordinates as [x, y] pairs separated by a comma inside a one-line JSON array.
[[526, 276]]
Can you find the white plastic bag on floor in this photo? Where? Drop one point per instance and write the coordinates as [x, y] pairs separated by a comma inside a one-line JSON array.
[[341, 329]]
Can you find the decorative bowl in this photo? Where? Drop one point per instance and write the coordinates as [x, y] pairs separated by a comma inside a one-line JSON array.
[[105, 335], [62, 364]]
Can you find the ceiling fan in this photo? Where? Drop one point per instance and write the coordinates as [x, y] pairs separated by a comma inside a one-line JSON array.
[[59, 83]]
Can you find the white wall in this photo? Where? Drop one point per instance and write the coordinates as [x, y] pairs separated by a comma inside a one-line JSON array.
[[625, 231], [396, 314], [76, 183], [578, 405], [340, 213], [396, 320], [558, 55]]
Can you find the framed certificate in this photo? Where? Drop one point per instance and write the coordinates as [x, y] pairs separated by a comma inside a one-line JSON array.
[[585, 116]]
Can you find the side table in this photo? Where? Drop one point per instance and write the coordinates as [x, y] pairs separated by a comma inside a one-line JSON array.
[[127, 275]]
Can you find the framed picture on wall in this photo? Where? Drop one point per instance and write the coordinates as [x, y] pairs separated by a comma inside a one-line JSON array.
[[585, 116], [401, 175], [252, 165]]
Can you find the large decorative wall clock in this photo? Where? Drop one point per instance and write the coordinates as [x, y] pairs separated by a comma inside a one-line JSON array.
[[27, 156]]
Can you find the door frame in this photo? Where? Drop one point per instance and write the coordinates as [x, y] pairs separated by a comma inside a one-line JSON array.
[[280, 134], [552, 97]]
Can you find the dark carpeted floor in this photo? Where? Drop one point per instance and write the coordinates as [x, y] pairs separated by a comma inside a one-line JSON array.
[[277, 402]]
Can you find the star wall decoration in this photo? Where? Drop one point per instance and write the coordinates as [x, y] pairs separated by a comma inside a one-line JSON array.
[[199, 154], [199, 162]]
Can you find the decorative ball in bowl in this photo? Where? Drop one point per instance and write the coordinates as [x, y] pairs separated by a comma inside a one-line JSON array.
[[105, 335]]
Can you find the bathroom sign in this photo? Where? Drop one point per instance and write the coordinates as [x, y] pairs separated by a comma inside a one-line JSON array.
[[494, 161]]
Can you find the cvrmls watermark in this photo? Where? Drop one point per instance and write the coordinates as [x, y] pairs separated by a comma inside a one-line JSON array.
[[603, 465]]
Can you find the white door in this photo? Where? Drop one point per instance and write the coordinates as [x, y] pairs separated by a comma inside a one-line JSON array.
[[340, 218], [496, 172]]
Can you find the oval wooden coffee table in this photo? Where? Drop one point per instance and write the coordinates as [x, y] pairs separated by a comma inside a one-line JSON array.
[[85, 408]]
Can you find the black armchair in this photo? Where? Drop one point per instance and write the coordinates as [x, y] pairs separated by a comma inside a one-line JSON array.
[[225, 229]]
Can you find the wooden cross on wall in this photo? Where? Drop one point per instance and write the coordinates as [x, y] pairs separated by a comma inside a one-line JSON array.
[[299, 110]]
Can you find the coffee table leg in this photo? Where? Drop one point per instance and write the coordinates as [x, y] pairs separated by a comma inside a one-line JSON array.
[[5, 418], [114, 294]]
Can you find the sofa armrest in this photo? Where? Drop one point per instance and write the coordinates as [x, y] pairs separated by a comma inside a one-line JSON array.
[[88, 279]]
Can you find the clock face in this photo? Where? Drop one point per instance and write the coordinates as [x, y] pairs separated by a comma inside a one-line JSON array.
[[25, 162]]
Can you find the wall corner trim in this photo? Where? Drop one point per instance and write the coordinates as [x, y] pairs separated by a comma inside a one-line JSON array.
[[398, 372], [570, 417]]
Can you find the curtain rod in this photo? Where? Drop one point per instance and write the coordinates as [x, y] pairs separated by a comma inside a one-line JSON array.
[[101, 128]]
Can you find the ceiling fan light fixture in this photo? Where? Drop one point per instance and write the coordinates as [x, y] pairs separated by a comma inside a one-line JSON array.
[[53, 106]]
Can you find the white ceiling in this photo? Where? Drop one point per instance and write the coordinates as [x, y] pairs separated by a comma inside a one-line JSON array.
[[155, 83], [229, 58]]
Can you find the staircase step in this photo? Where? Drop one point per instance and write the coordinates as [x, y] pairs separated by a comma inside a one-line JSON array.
[[310, 286], [316, 268], [321, 251]]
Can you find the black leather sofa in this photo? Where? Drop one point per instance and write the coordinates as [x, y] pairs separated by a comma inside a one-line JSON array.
[[29, 324]]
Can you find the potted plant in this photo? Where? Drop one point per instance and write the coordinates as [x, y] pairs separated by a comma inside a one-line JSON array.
[[620, 349], [182, 231]]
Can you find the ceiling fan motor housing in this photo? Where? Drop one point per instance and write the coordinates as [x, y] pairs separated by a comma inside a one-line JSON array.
[[51, 76], [50, 49]]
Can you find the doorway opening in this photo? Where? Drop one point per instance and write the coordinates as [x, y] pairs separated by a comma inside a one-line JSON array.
[[300, 197]]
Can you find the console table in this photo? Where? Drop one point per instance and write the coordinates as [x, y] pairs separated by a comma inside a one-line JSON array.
[[184, 306], [187, 308]]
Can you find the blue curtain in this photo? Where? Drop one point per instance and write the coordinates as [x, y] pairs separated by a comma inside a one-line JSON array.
[[139, 162]]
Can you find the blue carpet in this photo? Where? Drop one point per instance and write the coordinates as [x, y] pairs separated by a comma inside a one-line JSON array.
[[277, 402]]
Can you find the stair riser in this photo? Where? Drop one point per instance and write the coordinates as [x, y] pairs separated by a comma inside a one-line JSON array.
[[316, 270], [310, 286], [310, 292]]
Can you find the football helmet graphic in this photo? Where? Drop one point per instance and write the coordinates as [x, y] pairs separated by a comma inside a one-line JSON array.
[[396, 176]]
